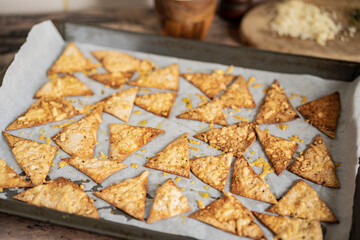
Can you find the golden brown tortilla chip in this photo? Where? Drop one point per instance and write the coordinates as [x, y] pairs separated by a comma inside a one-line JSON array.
[[278, 150], [33, 157], [118, 62], [165, 78], [276, 107], [127, 139], [64, 86], [120, 104], [44, 110], [302, 201], [235, 138], [62, 195], [174, 158], [97, 169], [212, 170], [128, 195], [79, 138], [10, 179], [315, 164], [71, 60], [114, 80], [246, 183], [238, 95], [210, 112], [323, 113], [168, 202], [159, 103], [291, 228], [230, 215], [210, 84]]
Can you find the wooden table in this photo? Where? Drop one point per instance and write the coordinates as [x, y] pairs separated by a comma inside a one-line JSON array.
[[13, 32]]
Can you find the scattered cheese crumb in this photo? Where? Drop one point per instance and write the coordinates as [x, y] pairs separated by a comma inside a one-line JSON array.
[[205, 195], [182, 189], [206, 187], [134, 165], [143, 150], [96, 143], [265, 166], [193, 141], [82, 186], [58, 151], [266, 90], [142, 123], [267, 130], [200, 204], [294, 138], [137, 112], [252, 152], [192, 148], [211, 126], [103, 156], [304, 99], [192, 182], [52, 164], [20, 133], [47, 140], [301, 140], [203, 98], [107, 86], [42, 137], [336, 164], [251, 80], [256, 85], [242, 118], [177, 179], [102, 92], [218, 72], [164, 174], [62, 164], [230, 69], [283, 126], [235, 108], [307, 120]]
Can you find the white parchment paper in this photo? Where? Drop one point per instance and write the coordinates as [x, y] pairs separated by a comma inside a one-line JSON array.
[[27, 74]]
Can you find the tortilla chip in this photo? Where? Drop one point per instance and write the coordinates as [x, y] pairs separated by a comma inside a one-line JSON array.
[[118, 62], [323, 113], [276, 107], [174, 158], [79, 138], [44, 110], [238, 95], [166, 78], [159, 103], [120, 104], [291, 228], [168, 202], [315, 164], [210, 84], [127, 139], [97, 169], [302, 201], [212, 170], [10, 179], [128, 195], [33, 157], [230, 215], [235, 138], [210, 112], [71, 60], [64, 86], [246, 183], [114, 80], [278, 150], [62, 195]]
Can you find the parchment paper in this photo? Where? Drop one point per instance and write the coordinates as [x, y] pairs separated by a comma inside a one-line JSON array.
[[27, 74]]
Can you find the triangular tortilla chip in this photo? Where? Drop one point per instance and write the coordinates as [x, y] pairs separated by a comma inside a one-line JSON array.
[[246, 183], [302, 201], [71, 60], [120, 104], [33, 157], [291, 228], [128, 195], [168, 202], [165, 78], [174, 158], [118, 62], [159, 103], [114, 80], [210, 84], [79, 138], [212, 170], [230, 215], [235, 138], [62, 195], [276, 107], [210, 112], [278, 150], [10, 179], [238, 95], [315, 164], [97, 169], [127, 139], [44, 110], [323, 113], [64, 86]]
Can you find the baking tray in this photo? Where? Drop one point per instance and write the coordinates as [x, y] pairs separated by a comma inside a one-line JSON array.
[[194, 50]]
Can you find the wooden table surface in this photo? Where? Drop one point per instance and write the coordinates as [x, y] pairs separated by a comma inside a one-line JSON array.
[[13, 32]]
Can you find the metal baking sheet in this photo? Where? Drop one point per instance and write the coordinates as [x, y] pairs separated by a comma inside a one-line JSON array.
[[83, 35]]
